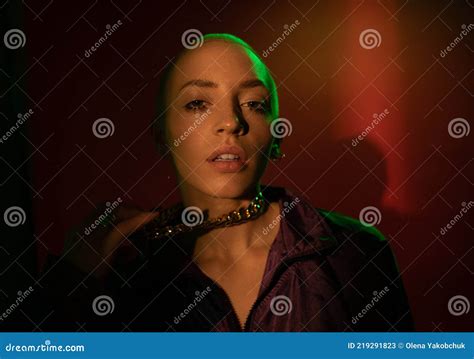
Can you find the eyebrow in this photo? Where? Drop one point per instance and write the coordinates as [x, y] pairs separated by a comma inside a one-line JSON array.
[[199, 83], [252, 83], [210, 84]]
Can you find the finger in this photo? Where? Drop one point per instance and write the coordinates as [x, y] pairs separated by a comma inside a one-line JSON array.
[[140, 219], [123, 229], [125, 212]]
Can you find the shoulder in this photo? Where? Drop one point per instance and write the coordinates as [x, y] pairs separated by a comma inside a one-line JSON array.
[[348, 226], [359, 248], [318, 222], [366, 269], [357, 244]]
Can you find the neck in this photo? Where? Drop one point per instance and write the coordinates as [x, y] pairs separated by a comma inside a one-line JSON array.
[[233, 241], [216, 206]]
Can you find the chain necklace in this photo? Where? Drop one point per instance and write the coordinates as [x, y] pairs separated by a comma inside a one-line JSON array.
[[159, 227]]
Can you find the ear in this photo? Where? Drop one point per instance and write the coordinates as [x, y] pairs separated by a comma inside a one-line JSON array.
[[275, 151]]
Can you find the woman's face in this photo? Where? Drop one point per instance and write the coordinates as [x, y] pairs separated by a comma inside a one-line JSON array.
[[219, 104]]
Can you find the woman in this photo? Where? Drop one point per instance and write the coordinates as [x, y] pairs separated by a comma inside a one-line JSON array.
[[282, 265]]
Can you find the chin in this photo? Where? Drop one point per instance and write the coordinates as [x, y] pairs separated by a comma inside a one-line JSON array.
[[234, 188]]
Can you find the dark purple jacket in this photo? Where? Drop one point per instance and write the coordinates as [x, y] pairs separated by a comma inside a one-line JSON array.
[[325, 272]]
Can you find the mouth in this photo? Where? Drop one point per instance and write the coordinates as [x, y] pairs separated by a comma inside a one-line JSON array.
[[228, 154], [228, 159]]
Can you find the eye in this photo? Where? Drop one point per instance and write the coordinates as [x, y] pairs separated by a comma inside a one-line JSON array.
[[257, 106], [195, 105]]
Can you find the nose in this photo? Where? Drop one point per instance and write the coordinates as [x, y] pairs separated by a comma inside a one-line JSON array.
[[231, 126], [231, 123]]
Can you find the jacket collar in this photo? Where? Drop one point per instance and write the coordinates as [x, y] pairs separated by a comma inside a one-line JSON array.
[[303, 230]]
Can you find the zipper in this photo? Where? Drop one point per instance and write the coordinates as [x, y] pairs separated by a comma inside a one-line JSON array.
[[234, 315], [235, 318], [276, 277]]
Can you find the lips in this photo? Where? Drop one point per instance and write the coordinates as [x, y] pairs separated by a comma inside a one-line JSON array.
[[228, 159], [228, 154]]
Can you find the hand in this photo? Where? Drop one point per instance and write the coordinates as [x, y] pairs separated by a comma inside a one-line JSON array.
[[93, 248]]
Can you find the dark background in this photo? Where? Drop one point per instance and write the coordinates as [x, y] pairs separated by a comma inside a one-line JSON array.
[[409, 166]]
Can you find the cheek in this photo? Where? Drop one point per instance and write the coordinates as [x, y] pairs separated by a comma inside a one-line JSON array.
[[175, 125], [179, 129], [187, 143], [260, 136]]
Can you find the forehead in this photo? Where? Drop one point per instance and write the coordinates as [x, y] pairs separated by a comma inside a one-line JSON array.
[[220, 61]]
